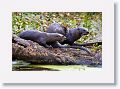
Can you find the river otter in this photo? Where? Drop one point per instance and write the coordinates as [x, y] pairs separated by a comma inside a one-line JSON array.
[[42, 38], [71, 34]]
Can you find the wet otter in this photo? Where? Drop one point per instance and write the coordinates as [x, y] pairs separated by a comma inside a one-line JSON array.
[[42, 38], [71, 34], [74, 34]]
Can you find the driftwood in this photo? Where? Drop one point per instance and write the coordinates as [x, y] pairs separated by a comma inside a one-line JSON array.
[[32, 52]]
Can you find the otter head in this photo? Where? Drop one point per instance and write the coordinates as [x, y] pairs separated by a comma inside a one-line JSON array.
[[83, 31], [58, 37]]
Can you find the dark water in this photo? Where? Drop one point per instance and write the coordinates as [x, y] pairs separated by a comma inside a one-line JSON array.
[[53, 67]]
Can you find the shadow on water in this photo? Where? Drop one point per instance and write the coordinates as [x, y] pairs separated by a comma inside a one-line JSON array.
[[27, 68], [30, 67]]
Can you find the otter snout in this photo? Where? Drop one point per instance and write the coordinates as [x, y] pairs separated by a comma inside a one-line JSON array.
[[87, 32], [84, 33], [64, 37]]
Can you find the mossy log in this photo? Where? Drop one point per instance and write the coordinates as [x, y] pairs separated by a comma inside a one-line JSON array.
[[32, 52]]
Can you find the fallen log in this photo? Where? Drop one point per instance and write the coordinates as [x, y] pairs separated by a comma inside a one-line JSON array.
[[32, 52]]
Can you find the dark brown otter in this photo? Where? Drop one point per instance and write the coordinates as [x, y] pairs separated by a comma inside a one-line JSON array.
[[71, 35], [42, 38]]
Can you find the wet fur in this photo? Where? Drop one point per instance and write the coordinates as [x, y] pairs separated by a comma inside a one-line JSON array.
[[41, 38]]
